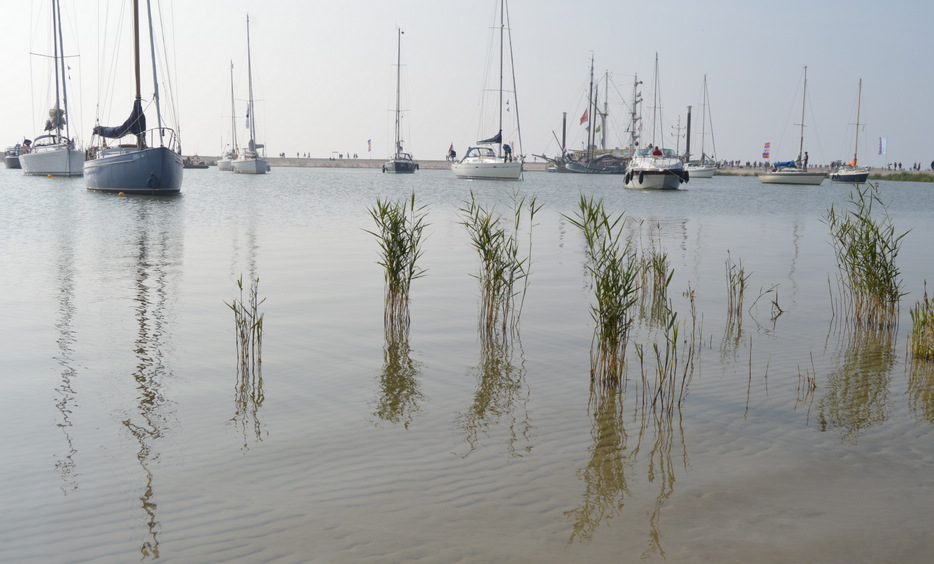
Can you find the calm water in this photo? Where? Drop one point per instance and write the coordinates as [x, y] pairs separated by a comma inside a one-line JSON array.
[[128, 434]]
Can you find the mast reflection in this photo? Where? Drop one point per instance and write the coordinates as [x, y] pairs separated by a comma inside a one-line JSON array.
[[157, 252], [66, 401]]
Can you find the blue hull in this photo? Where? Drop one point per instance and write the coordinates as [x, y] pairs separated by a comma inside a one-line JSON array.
[[151, 171]]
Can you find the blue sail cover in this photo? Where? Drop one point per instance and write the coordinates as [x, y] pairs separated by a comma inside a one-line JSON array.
[[786, 163], [498, 138], [134, 125]]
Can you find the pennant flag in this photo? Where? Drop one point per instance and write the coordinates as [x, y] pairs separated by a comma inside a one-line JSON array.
[[883, 141], [598, 129], [451, 148], [765, 151], [369, 145], [584, 117]]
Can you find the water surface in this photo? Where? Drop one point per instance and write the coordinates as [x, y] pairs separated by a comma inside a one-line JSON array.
[[130, 435]]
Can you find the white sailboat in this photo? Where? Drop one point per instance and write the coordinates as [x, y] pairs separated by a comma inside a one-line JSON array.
[[653, 167], [794, 172], [53, 153], [850, 172], [249, 161], [225, 163], [137, 168], [400, 162], [703, 167], [483, 162]]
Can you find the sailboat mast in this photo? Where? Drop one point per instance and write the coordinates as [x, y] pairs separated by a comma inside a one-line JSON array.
[[141, 136], [703, 120], [59, 50], [398, 81], [634, 116], [155, 78], [803, 100], [859, 96], [502, 29], [590, 104], [233, 113], [249, 72], [606, 109]]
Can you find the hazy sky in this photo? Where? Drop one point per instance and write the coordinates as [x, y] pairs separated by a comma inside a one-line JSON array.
[[324, 72]]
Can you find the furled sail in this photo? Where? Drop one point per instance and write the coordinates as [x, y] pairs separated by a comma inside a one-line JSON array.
[[134, 125], [498, 138]]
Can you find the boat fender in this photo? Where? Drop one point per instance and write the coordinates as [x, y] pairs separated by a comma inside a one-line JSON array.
[[628, 177], [384, 168], [153, 181], [641, 176], [687, 176]]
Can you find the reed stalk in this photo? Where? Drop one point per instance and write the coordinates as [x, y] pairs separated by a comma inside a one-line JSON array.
[[613, 269], [866, 249], [737, 280], [248, 324], [921, 338], [502, 268], [399, 231]]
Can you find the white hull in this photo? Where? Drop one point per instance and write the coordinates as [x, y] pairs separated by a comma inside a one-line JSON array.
[[487, 169], [251, 166], [57, 160], [699, 171], [800, 177], [225, 164], [649, 172], [653, 180]]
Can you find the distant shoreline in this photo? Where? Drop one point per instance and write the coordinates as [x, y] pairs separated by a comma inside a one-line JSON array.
[[540, 166]]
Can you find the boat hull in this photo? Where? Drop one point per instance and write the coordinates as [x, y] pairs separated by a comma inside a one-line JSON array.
[[225, 165], [250, 166], [699, 171], [653, 179], [792, 177], [12, 161], [400, 166], [655, 173], [152, 171], [55, 160], [581, 168], [488, 170], [854, 175]]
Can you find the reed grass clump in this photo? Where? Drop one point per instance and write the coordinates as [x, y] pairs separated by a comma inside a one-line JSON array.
[[613, 269], [866, 249], [400, 227], [737, 279], [502, 269], [248, 323], [921, 338]]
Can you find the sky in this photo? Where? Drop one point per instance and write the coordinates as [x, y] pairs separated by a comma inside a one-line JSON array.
[[324, 73]]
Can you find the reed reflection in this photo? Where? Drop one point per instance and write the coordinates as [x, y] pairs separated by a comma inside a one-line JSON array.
[[399, 388], [856, 394], [921, 389], [66, 401], [157, 254], [618, 461], [501, 393]]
